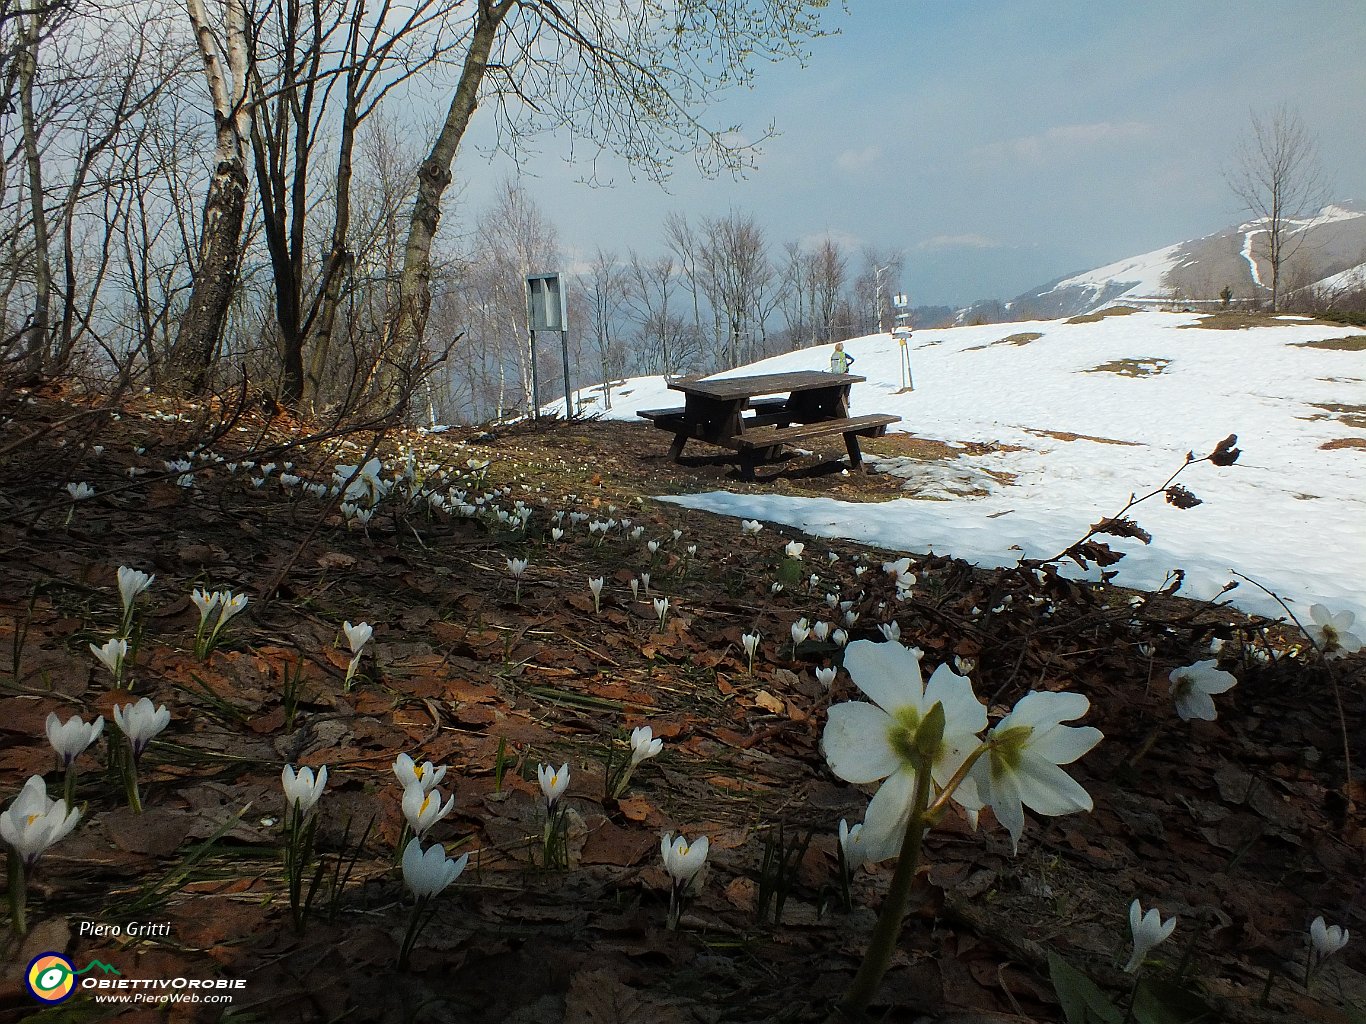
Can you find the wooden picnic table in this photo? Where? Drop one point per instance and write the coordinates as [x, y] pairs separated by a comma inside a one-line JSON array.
[[755, 415]]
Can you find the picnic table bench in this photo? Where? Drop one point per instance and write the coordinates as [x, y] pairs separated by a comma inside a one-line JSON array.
[[731, 413]]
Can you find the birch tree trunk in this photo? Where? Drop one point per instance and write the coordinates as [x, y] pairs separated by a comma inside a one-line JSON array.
[[36, 330], [215, 277]]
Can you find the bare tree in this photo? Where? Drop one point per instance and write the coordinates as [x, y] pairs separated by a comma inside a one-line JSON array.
[[605, 288], [1280, 181], [622, 75], [215, 274]]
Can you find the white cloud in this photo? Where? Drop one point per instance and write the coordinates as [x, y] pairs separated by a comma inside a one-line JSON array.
[[1062, 141], [963, 241], [847, 242], [858, 159]]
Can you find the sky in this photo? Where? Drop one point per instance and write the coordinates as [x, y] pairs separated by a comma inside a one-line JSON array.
[[1000, 144], [1037, 465]]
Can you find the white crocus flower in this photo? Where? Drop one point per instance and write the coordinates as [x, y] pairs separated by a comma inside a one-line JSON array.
[[303, 789], [141, 722], [229, 605], [1330, 632], [851, 845], [80, 491], [890, 630], [423, 808], [1326, 939], [1148, 930], [750, 526], [794, 549], [683, 860], [70, 739], [409, 771], [1022, 765], [644, 745], [553, 783], [516, 566], [595, 587], [206, 603], [1192, 686], [111, 655], [866, 742], [801, 629], [32, 822], [132, 582], [839, 637], [358, 635], [897, 568], [826, 676], [429, 874], [820, 631]]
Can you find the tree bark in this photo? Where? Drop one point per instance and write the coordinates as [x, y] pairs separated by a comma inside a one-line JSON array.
[[36, 331], [433, 178], [215, 277]]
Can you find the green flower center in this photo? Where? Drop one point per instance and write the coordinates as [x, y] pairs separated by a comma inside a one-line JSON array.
[[917, 739], [901, 734], [1182, 687], [1007, 748]]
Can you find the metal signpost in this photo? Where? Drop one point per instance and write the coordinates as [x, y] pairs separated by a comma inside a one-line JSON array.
[[902, 333], [547, 310]]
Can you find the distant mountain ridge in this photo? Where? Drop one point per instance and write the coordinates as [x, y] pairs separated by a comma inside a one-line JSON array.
[[1331, 257]]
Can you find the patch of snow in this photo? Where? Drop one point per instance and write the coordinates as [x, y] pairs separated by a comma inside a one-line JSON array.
[[1252, 260], [1288, 514], [1144, 275]]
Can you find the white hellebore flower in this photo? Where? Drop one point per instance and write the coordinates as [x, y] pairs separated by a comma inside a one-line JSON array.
[[851, 845], [794, 549], [867, 742], [32, 823], [140, 722], [132, 583], [303, 790], [423, 808], [1148, 930], [409, 771], [428, 874], [1192, 686], [1022, 767], [644, 745], [71, 739], [682, 861], [1326, 939], [111, 654], [553, 783], [1330, 632], [358, 635]]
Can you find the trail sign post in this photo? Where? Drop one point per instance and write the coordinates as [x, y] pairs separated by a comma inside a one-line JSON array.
[[547, 310], [902, 333]]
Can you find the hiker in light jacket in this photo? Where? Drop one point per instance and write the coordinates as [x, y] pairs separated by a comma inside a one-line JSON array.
[[840, 360]]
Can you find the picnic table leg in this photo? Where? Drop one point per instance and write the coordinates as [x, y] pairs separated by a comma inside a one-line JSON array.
[[855, 456], [676, 449], [748, 459]]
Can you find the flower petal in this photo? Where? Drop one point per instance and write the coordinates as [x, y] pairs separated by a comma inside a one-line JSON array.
[[855, 742], [888, 673], [1063, 744], [884, 825], [1047, 789]]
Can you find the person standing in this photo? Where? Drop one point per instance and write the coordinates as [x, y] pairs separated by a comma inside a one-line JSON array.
[[840, 360]]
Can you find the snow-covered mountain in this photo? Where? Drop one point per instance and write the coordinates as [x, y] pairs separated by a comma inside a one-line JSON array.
[[1329, 255]]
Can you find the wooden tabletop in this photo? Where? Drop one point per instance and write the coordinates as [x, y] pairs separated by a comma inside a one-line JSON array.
[[729, 388]]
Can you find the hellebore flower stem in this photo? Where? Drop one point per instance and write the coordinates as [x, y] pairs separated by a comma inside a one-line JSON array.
[[888, 928]]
